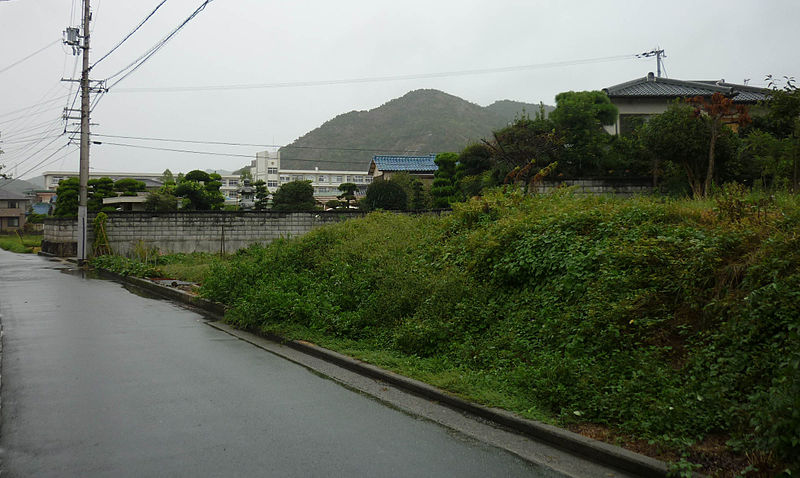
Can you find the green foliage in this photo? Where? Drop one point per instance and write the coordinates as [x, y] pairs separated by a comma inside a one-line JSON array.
[[100, 243], [348, 191], [129, 186], [294, 196], [197, 176], [163, 200], [200, 191], [679, 141], [416, 194], [167, 178], [579, 118], [386, 195], [443, 190], [125, 266], [262, 195], [67, 198], [669, 321], [33, 218], [20, 244], [525, 143], [99, 189]]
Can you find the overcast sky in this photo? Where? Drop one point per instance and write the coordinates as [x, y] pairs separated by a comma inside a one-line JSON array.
[[260, 42]]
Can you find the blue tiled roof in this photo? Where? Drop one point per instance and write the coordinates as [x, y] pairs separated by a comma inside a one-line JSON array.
[[41, 208], [405, 163]]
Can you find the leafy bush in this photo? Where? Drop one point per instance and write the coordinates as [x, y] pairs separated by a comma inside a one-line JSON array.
[[663, 319], [386, 195]]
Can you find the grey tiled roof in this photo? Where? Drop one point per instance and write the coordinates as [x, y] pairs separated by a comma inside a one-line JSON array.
[[6, 194], [405, 163], [650, 87]]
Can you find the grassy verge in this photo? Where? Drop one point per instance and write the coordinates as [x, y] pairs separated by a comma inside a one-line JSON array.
[[21, 244], [667, 326], [189, 267]]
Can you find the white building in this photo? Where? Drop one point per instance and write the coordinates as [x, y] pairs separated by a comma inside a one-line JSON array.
[[267, 167]]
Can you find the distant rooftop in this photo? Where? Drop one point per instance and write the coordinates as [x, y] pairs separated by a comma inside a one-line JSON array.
[[14, 196], [653, 87], [417, 164]]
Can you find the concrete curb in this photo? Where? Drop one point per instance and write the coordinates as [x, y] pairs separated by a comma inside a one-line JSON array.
[[595, 450]]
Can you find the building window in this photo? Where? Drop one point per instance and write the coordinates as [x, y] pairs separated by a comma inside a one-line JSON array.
[[13, 222], [12, 204], [285, 179], [272, 170], [233, 182], [321, 179], [272, 184], [338, 179]]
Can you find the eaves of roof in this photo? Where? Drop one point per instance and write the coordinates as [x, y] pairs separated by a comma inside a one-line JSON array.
[[405, 163], [650, 87]]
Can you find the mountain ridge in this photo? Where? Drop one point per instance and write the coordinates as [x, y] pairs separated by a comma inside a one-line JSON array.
[[420, 122]]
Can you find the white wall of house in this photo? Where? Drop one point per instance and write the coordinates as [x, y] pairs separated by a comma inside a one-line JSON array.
[[639, 107]]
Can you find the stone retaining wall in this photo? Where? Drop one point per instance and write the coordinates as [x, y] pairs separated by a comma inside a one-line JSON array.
[[200, 231]]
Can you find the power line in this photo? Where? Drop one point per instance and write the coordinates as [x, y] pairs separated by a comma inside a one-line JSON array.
[[40, 163], [29, 56], [30, 139], [129, 34], [259, 145], [375, 79], [234, 155], [18, 164], [155, 48], [53, 100]]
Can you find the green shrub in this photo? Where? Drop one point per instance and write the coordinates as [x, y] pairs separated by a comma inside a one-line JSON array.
[[664, 319]]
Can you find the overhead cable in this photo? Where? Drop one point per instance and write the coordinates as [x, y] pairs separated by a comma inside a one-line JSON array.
[[234, 155], [259, 145], [135, 65], [119, 44], [2, 70], [375, 79]]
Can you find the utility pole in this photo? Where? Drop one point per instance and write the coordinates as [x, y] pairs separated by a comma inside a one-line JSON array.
[[84, 161], [659, 54]]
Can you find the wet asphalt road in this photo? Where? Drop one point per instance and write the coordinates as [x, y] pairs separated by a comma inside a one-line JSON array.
[[97, 381]]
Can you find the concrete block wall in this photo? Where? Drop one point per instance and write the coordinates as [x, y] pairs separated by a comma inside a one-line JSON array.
[[619, 187], [200, 231]]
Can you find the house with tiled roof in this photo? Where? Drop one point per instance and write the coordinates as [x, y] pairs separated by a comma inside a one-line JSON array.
[[641, 98], [12, 210], [385, 166]]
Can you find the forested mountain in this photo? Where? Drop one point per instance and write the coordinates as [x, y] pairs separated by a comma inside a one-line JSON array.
[[420, 122]]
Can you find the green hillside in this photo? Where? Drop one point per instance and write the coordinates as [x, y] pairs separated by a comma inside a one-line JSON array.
[[422, 121]]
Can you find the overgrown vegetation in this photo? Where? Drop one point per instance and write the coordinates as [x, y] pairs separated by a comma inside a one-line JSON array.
[[148, 262], [21, 244], [669, 321]]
